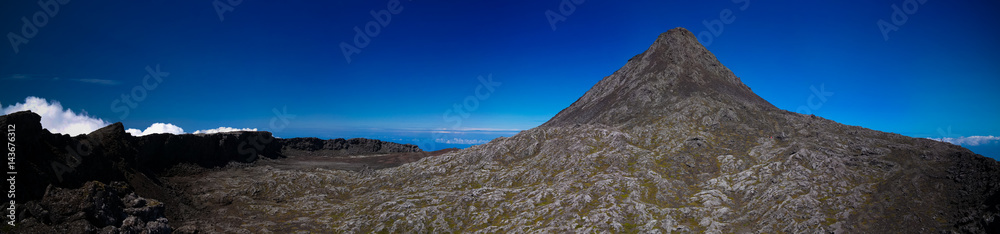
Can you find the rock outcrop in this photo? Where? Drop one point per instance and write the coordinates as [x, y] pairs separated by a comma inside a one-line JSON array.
[[51, 168], [110, 154], [311, 146], [94, 208], [161, 151]]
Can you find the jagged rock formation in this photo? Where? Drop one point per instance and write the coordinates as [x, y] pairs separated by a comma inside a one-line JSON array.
[[161, 151], [311, 146], [672, 142], [53, 167], [95, 207], [110, 154], [61, 179]]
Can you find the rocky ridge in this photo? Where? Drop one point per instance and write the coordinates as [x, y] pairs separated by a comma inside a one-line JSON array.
[[62, 178], [311, 146]]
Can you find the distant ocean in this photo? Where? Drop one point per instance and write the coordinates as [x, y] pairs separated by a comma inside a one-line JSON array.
[[991, 150], [427, 140]]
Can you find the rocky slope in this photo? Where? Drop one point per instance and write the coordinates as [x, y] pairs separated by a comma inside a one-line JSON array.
[[672, 142]]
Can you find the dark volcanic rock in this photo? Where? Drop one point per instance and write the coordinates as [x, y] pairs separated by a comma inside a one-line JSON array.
[[311, 146], [95, 207], [160, 151], [44, 158], [110, 154], [52, 167]]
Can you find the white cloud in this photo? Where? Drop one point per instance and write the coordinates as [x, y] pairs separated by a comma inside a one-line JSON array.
[[224, 129], [969, 140], [134, 132], [474, 130], [156, 128], [461, 141], [55, 118]]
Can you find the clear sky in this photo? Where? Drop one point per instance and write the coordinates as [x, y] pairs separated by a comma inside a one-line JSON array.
[[936, 75]]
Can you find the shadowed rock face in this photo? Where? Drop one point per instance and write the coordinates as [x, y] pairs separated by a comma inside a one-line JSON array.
[[161, 151], [110, 154], [61, 180], [95, 207], [311, 146]]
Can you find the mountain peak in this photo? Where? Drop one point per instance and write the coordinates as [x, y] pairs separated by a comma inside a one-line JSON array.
[[675, 69], [678, 36]]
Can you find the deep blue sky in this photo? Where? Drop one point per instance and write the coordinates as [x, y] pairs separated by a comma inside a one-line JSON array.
[[941, 68]]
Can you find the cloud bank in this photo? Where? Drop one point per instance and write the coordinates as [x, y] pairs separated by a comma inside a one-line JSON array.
[[461, 141], [969, 140], [156, 128], [61, 120], [224, 129], [57, 119]]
